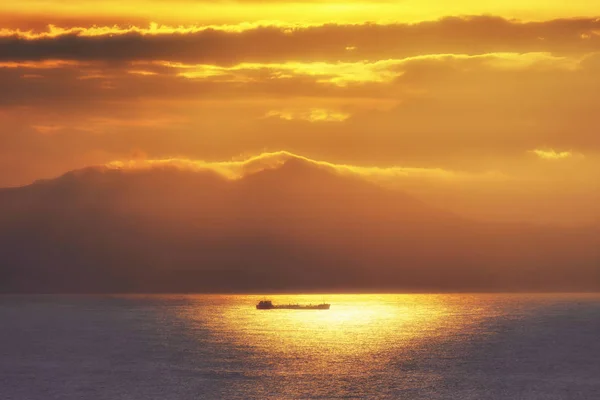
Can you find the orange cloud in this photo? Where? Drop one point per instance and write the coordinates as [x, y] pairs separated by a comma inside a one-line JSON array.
[[311, 115], [153, 29], [45, 64], [552, 155], [48, 129], [339, 74], [279, 42], [383, 71], [142, 72], [237, 169]]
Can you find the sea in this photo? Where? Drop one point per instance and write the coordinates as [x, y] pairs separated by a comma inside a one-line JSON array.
[[367, 346]]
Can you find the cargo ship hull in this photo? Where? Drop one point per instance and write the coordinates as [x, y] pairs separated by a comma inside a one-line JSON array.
[[268, 305]]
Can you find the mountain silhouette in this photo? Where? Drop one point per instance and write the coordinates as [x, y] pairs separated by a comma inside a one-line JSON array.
[[297, 226]]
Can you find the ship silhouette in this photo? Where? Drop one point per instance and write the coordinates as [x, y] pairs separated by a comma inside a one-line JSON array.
[[268, 305]]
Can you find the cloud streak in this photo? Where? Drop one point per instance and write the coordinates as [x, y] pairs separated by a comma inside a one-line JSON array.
[[553, 155], [238, 169], [491, 195], [311, 115], [227, 45]]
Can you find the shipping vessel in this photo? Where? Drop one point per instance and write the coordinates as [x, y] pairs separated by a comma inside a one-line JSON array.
[[268, 305]]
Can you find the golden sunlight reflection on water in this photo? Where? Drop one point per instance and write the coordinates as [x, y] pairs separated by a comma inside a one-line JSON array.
[[376, 346], [434, 347], [363, 326]]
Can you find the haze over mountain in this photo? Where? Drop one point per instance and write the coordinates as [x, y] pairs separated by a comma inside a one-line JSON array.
[[295, 225]]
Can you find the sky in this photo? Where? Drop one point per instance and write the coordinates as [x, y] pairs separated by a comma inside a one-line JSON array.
[[489, 109]]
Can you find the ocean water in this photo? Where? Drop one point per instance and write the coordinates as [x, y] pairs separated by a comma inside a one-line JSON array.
[[366, 346]]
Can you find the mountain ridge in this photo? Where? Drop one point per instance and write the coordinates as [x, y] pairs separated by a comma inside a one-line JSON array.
[[293, 226]]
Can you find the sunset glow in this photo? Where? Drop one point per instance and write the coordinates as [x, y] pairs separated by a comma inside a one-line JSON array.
[[299, 199], [305, 11], [474, 102], [357, 325]]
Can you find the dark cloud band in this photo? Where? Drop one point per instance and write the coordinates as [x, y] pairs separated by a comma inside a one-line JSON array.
[[475, 35]]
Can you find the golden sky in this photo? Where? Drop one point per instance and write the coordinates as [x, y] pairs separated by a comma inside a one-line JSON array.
[[491, 109], [211, 12]]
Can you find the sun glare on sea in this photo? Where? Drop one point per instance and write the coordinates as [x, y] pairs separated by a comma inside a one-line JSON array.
[[355, 324]]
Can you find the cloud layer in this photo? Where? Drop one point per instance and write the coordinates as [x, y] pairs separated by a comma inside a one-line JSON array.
[[230, 45], [483, 113]]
